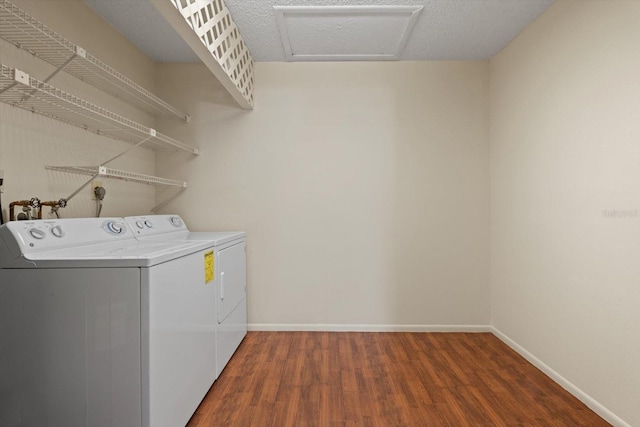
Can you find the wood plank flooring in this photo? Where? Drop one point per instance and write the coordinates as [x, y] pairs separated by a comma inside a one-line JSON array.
[[385, 379]]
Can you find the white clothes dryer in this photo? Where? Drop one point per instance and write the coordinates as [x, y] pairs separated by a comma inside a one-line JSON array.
[[98, 328], [228, 263]]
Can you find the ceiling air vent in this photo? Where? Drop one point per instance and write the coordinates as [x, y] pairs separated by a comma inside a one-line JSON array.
[[345, 33]]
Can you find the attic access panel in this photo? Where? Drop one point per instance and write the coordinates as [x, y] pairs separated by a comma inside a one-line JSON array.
[[345, 33]]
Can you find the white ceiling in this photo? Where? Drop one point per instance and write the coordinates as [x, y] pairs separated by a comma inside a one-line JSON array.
[[444, 30]]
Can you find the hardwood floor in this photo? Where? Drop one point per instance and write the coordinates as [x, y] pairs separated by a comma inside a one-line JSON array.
[[385, 379]]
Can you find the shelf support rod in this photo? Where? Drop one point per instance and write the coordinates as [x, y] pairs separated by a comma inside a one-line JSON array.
[[11, 86], [108, 161], [72, 195], [50, 76], [60, 68], [167, 200], [127, 150]]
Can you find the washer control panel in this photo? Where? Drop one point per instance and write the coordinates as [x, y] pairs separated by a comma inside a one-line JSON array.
[[28, 236]]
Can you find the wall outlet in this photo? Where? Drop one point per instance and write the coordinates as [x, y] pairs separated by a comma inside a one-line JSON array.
[[95, 184]]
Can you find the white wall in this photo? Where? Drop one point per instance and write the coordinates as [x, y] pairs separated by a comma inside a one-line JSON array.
[[29, 142], [565, 199], [363, 188]]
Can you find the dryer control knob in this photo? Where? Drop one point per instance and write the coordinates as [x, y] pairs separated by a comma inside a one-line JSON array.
[[57, 231], [148, 223], [140, 224], [175, 221], [36, 233]]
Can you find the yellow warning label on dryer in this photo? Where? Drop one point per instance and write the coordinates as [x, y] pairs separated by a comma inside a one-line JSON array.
[[208, 267]]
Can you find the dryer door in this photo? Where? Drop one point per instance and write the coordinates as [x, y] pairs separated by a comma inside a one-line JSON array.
[[232, 279]]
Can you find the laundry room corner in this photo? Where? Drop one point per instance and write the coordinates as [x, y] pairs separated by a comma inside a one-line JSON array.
[[363, 188]]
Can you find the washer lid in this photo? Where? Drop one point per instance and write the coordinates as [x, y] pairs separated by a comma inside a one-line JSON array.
[[114, 254]]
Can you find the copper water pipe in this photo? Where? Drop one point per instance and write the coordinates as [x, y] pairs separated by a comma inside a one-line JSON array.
[[22, 203], [34, 203], [51, 203]]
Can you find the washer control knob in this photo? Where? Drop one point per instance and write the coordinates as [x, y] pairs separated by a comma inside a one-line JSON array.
[[57, 231], [148, 223], [114, 227], [175, 221], [36, 233], [140, 224]]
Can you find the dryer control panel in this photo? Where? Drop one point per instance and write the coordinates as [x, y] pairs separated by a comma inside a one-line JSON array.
[[153, 225]]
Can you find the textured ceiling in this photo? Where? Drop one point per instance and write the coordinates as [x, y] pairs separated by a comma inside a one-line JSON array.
[[445, 29], [141, 23]]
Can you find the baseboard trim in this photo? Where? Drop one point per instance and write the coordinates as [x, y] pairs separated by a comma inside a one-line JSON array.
[[323, 327], [593, 404]]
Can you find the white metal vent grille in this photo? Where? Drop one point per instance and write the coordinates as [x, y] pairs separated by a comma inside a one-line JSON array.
[[212, 23]]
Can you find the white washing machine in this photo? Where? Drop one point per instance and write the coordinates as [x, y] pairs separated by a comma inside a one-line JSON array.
[[98, 328], [230, 274]]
